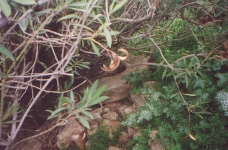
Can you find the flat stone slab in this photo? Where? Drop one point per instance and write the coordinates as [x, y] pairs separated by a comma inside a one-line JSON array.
[[117, 88]]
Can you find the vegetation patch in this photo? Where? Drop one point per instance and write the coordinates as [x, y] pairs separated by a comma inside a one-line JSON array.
[[101, 138]]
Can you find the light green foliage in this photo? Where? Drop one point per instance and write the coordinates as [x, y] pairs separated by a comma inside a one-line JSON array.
[[222, 79], [222, 98], [117, 6], [177, 25], [187, 70], [6, 52], [5, 7], [24, 23], [147, 112], [67, 105], [190, 101], [140, 142], [9, 111], [177, 38], [167, 112]]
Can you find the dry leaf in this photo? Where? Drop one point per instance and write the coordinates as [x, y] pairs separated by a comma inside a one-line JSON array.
[[191, 136], [79, 140], [115, 60], [125, 52]]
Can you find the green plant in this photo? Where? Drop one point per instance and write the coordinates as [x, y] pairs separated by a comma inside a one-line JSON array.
[[167, 112], [68, 107], [5, 7], [102, 140], [75, 64], [140, 142], [222, 98], [185, 70], [70, 147], [137, 78], [9, 111], [188, 105]]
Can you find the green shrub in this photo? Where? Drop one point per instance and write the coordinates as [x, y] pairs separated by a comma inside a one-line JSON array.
[[192, 117], [140, 142], [101, 140]]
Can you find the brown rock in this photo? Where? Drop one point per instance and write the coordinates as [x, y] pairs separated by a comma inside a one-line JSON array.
[[121, 110], [111, 125], [153, 134], [112, 105], [155, 145], [138, 100], [117, 88], [111, 115], [93, 129], [106, 110], [72, 127], [150, 84], [125, 109], [123, 139], [80, 141], [96, 118], [113, 148], [129, 109], [131, 132], [31, 144], [98, 110]]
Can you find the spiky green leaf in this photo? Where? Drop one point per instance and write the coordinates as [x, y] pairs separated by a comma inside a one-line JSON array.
[[25, 2], [78, 4], [118, 6], [87, 114], [95, 48], [83, 121], [98, 100], [108, 37], [164, 73], [99, 91], [6, 52], [54, 113], [24, 24], [71, 95], [70, 16], [5, 7]]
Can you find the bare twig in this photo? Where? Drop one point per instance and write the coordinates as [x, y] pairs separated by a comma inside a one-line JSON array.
[[170, 66], [59, 68], [40, 2]]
